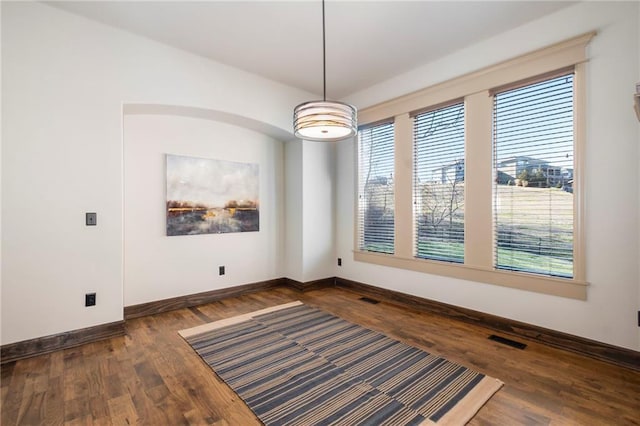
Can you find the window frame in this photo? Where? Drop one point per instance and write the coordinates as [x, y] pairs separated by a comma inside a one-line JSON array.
[[520, 85], [477, 90], [416, 161], [360, 231]]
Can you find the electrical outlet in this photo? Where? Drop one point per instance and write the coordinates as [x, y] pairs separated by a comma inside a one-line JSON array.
[[220, 270], [90, 299], [339, 261], [91, 219]]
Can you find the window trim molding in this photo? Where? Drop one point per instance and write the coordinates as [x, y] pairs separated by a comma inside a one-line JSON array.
[[547, 59], [477, 88], [520, 280]]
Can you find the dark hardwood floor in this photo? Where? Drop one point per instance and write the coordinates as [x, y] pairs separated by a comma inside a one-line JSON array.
[[151, 376]]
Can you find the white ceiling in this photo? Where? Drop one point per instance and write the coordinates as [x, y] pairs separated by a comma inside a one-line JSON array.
[[367, 41]]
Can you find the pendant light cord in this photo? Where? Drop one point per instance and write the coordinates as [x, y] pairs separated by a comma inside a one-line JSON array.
[[324, 59]]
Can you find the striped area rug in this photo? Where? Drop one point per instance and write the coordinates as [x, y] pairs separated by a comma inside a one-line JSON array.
[[297, 365]]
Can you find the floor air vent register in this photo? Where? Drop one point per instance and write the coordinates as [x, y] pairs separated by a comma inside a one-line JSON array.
[[507, 342]]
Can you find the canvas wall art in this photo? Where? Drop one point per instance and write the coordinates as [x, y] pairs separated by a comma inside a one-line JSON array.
[[207, 196]]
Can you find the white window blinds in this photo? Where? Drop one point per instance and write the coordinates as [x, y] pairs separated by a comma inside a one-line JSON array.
[[376, 188], [439, 174], [533, 170]]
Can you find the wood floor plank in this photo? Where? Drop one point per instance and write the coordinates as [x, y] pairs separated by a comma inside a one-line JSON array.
[[151, 376], [54, 401], [122, 410]]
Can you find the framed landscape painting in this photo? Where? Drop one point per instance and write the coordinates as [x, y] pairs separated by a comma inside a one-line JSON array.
[[207, 196]]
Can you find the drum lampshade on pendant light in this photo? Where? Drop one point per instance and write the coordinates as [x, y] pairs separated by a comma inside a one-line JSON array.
[[324, 120]]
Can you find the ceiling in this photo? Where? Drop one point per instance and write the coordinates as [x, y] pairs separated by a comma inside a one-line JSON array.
[[367, 41]]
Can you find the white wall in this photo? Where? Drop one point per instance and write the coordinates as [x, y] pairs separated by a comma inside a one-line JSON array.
[[310, 210], [64, 82], [612, 203], [159, 267], [318, 210], [1, 179], [293, 211]]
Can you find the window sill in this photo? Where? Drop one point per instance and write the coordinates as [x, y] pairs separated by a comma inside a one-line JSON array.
[[562, 287]]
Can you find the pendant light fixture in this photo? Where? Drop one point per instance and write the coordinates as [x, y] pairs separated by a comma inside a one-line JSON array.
[[324, 120]]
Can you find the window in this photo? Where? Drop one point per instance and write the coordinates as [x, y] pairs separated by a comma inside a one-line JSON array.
[[376, 201], [479, 178], [533, 202], [439, 183]]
